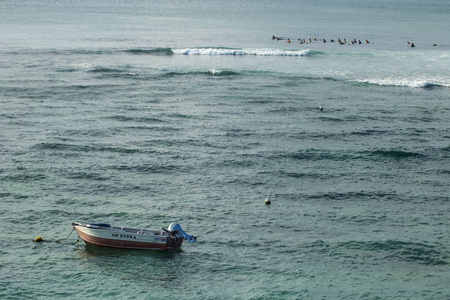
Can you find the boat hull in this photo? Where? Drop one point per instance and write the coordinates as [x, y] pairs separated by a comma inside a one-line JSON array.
[[105, 237]]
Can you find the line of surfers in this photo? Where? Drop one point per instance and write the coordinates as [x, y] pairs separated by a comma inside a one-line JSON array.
[[353, 42], [305, 41], [412, 44]]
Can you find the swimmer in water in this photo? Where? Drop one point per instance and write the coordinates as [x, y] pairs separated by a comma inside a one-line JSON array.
[[412, 45]]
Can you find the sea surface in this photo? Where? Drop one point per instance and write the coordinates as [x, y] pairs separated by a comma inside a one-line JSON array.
[[143, 113]]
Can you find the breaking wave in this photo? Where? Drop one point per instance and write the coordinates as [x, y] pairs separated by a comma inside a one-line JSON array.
[[404, 83], [241, 52], [169, 51], [215, 72]]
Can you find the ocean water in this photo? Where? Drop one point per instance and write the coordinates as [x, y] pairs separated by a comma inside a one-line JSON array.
[[142, 113]]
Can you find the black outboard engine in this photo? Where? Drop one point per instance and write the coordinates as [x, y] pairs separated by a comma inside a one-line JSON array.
[[176, 230]]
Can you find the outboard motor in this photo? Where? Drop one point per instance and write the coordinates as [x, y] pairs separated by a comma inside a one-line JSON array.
[[175, 229]]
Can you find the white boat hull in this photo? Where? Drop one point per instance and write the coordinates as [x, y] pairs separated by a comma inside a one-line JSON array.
[[127, 238]]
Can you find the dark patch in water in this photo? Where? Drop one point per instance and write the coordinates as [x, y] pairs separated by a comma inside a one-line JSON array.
[[154, 51], [135, 119], [398, 250], [83, 148], [396, 154], [25, 176], [356, 196], [106, 70], [150, 168]]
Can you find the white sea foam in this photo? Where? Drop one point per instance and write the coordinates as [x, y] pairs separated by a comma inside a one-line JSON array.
[[231, 51], [85, 65], [216, 72], [404, 82]]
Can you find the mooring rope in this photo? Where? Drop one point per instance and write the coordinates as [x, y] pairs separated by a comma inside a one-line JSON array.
[[67, 235]]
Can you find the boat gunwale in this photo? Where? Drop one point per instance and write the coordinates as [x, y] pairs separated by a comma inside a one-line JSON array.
[[128, 230]]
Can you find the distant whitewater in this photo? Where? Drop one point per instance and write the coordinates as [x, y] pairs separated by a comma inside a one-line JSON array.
[[231, 51], [221, 51], [414, 83]]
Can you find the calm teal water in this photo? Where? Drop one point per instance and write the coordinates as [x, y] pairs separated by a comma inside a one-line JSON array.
[[142, 113]]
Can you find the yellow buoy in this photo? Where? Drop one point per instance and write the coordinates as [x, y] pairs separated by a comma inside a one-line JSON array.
[[38, 239]]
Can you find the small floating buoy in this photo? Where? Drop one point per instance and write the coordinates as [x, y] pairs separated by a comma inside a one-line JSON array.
[[267, 201], [38, 239], [320, 108]]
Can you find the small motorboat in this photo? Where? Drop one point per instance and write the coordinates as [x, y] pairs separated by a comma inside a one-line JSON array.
[[101, 234]]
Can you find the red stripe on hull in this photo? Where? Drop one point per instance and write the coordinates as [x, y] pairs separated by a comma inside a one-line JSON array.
[[123, 244]]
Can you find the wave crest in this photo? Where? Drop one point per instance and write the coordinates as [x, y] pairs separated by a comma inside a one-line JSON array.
[[403, 83], [240, 52], [154, 51], [215, 72]]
